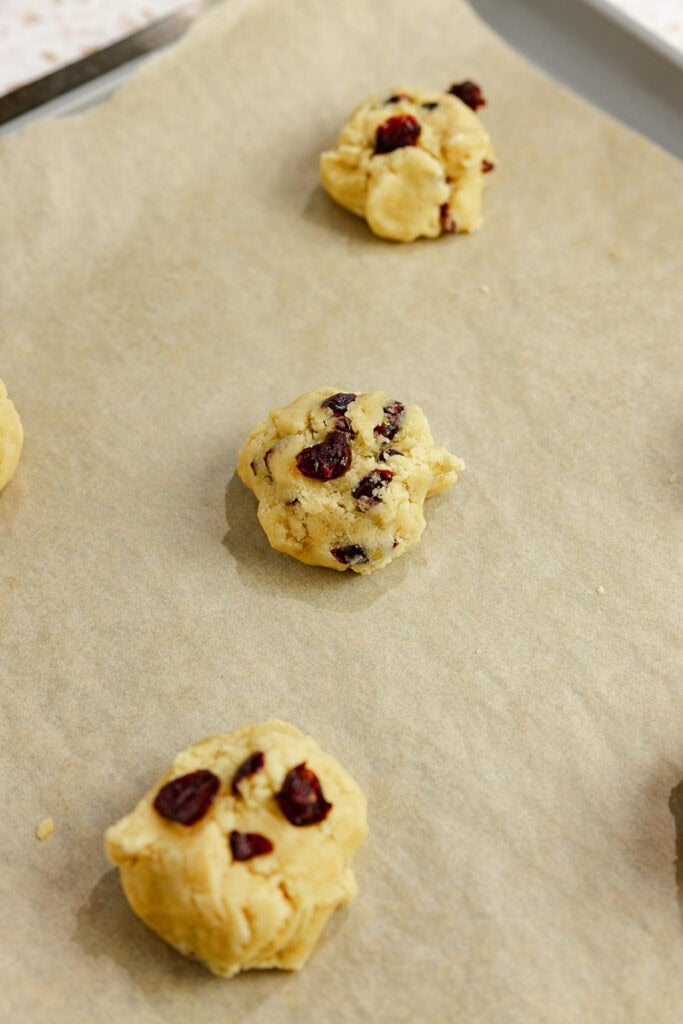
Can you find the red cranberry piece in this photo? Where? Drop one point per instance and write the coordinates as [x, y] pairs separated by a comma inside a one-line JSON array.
[[301, 798], [368, 491], [254, 763], [352, 554], [187, 798], [343, 423], [469, 93], [388, 451], [487, 167], [245, 845], [393, 417], [399, 131], [448, 223], [327, 460], [339, 403]]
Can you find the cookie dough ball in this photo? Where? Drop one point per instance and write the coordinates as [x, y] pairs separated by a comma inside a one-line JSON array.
[[341, 478], [11, 437], [242, 851], [413, 163]]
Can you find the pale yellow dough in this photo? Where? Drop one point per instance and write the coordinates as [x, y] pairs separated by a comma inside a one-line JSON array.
[[418, 190], [234, 915], [11, 437], [310, 518]]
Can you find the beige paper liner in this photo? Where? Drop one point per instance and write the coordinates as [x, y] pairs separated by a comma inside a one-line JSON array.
[[170, 271]]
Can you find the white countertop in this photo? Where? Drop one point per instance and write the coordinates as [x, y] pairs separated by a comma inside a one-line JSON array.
[[38, 36]]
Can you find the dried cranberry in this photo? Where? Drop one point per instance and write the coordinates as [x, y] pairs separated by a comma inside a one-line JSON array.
[[393, 417], [352, 554], [469, 93], [187, 798], [368, 491], [343, 423], [487, 166], [339, 403], [448, 222], [301, 798], [388, 451], [266, 457], [245, 845], [397, 97], [327, 460], [399, 131], [254, 763]]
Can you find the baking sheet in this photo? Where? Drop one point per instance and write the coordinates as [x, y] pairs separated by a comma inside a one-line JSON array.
[[171, 270], [604, 55]]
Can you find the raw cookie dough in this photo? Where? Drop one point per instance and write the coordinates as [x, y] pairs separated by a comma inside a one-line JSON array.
[[341, 478], [242, 851], [412, 163], [11, 437]]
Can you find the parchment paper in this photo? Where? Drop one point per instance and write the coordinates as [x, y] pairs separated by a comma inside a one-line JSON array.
[[170, 271]]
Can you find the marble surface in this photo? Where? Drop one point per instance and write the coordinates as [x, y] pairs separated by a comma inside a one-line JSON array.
[[38, 36]]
